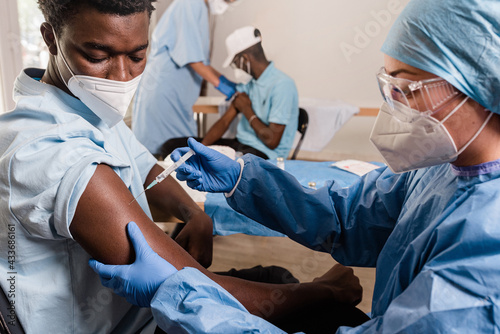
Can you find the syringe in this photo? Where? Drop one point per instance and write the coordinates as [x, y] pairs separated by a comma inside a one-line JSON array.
[[163, 175]]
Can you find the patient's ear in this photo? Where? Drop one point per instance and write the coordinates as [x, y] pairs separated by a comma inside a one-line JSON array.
[[49, 37]]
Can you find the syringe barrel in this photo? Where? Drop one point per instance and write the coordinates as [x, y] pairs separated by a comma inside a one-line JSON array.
[[163, 175], [184, 158]]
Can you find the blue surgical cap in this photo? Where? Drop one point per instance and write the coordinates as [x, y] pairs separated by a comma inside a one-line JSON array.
[[457, 40]]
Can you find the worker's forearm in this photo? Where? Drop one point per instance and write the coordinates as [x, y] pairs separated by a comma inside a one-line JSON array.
[[207, 72]]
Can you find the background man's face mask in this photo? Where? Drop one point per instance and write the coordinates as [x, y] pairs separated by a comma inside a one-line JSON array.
[[424, 142], [240, 75], [108, 99]]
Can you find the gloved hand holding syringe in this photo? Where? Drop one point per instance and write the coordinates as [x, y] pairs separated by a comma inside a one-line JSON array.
[[163, 175]]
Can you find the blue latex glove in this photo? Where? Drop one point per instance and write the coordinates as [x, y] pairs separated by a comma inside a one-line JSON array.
[[207, 170], [226, 87], [137, 282]]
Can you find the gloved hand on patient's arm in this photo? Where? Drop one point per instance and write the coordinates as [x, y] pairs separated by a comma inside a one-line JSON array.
[[139, 281], [226, 87], [207, 170]]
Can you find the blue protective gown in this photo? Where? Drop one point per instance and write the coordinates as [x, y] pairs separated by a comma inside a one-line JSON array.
[[50, 145], [163, 104], [190, 302], [433, 235]]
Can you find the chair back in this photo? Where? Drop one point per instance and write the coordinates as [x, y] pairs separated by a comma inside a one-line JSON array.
[[302, 128]]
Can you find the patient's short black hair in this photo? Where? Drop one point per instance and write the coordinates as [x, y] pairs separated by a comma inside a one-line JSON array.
[[59, 12]]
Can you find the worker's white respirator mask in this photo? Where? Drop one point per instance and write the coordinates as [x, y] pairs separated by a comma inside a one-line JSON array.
[[241, 76], [217, 7], [424, 142], [108, 99]]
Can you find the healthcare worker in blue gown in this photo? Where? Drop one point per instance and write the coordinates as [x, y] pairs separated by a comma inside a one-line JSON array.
[[429, 222], [177, 64]]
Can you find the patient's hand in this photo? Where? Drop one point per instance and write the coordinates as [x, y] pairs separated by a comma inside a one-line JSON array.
[[197, 239], [343, 283], [243, 104]]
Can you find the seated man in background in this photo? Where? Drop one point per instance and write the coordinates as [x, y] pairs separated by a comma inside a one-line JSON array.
[[267, 98]]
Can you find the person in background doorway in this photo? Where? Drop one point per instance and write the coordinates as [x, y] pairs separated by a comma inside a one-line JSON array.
[[178, 62]]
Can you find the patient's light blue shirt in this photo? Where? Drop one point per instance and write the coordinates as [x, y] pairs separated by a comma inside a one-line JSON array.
[[274, 100], [163, 105], [50, 145]]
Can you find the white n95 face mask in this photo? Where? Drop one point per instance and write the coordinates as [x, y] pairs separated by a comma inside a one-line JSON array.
[[422, 143], [217, 7], [242, 76], [108, 99]]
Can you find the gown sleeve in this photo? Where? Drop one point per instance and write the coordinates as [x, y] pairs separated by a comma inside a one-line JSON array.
[[352, 223], [454, 286], [190, 302]]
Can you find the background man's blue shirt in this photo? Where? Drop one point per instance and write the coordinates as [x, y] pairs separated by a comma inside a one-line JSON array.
[[274, 99]]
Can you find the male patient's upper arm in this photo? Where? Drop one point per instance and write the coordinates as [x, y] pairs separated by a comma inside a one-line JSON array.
[[100, 220]]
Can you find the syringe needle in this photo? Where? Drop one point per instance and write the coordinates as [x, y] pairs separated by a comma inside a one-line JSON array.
[[166, 173], [147, 188], [135, 199]]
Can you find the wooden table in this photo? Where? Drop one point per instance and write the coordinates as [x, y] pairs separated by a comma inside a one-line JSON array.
[[210, 105], [205, 105]]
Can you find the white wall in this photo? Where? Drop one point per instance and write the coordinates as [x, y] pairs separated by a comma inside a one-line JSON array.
[[330, 47]]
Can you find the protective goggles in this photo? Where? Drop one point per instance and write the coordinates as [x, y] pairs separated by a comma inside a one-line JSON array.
[[409, 99]]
